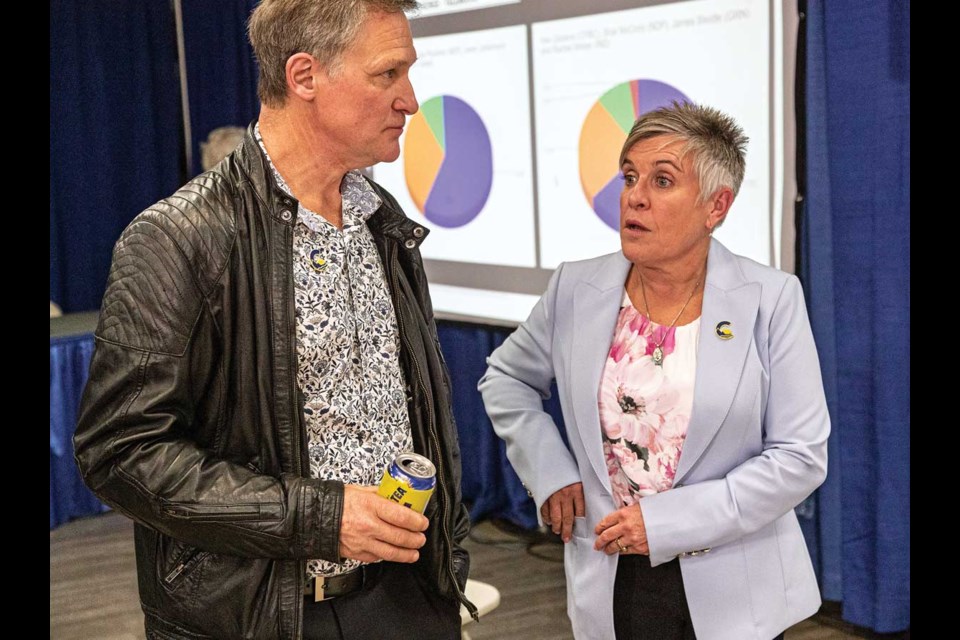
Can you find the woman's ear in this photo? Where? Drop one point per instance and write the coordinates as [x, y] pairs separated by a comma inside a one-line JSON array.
[[720, 203]]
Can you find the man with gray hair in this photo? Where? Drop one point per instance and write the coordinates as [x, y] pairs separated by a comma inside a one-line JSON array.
[[266, 347]]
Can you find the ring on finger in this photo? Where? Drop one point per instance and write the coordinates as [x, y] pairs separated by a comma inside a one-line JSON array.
[[620, 546]]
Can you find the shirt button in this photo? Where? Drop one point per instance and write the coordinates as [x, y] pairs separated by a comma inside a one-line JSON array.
[[285, 215], [418, 232], [410, 244]]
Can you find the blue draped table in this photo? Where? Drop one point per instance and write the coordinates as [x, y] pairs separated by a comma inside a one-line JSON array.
[[71, 347], [490, 485]]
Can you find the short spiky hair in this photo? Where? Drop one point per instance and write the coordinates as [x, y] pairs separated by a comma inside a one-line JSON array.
[[323, 28], [717, 142]]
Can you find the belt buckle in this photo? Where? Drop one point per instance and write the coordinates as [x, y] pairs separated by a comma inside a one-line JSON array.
[[319, 589], [316, 586]]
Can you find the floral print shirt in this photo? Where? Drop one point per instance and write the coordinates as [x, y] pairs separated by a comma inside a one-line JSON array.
[[348, 346], [645, 408]]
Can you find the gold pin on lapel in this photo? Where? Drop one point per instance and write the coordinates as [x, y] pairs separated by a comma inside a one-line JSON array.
[[723, 330]]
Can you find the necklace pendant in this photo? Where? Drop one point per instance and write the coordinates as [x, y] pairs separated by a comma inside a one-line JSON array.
[[658, 356]]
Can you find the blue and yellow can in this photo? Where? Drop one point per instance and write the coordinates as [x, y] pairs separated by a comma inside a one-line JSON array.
[[409, 480]]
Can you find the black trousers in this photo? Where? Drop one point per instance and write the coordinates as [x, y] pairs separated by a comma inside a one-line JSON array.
[[394, 603], [649, 602]]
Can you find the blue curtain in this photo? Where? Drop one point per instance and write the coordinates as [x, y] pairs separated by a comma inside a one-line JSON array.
[[221, 69], [821, 524], [115, 141], [855, 239], [490, 485]]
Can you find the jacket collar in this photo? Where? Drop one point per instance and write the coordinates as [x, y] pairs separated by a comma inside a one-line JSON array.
[[391, 222], [251, 162], [723, 270]]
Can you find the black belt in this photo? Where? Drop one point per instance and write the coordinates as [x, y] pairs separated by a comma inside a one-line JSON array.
[[324, 588]]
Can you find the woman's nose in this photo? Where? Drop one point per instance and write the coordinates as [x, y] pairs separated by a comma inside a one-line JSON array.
[[637, 197]]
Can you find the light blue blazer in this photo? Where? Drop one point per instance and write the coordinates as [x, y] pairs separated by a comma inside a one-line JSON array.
[[756, 445]]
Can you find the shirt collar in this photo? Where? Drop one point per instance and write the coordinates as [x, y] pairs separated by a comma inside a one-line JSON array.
[[360, 201]]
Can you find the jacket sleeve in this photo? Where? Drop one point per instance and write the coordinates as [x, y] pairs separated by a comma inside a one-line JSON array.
[[516, 382], [792, 463], [156, 352]]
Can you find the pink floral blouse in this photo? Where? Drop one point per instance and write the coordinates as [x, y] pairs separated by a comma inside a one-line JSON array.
[[645, 409]]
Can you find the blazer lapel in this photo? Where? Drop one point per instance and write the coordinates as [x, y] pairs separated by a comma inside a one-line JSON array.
[[596, 305], [728, 298]]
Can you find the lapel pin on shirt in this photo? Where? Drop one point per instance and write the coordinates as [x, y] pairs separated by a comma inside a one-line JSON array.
[[723, 330], [318, 263]]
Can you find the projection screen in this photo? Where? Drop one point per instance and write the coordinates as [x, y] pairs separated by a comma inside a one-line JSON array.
[[511, 161]]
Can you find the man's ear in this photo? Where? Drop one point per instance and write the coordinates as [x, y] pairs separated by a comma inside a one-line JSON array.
[[301, 71]]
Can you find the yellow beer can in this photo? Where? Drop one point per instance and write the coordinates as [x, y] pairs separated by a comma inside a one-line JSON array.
[[409, 480]]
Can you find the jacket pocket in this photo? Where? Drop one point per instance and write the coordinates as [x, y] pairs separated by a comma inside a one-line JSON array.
[[177, 561], [224, 512], [229, 597]]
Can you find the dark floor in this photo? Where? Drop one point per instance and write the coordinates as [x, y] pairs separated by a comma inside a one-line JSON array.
[[93, 587]]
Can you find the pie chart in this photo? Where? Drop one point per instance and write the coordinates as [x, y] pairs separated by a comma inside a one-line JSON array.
[[604, 130], [448, 161]]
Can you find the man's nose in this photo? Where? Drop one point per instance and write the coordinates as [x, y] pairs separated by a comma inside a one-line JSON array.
[[407, 100]]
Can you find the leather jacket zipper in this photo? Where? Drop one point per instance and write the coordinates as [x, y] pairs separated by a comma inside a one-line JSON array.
[[184, 564], [436, 443], [299, 426], [295, 388], [224, 512]]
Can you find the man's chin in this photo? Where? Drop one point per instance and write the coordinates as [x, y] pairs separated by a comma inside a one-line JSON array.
[[390, 155]]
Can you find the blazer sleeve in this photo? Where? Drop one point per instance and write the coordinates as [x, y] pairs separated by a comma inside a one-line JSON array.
[[514, 386], [792, 463]]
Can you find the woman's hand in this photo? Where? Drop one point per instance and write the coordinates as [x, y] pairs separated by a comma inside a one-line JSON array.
[[561, 508], [622, 531]]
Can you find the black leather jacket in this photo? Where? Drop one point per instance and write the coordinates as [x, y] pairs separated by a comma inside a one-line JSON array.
[[191, 422]]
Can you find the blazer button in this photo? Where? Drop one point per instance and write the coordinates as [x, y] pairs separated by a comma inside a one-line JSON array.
[[285, 215], [410, 244]]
